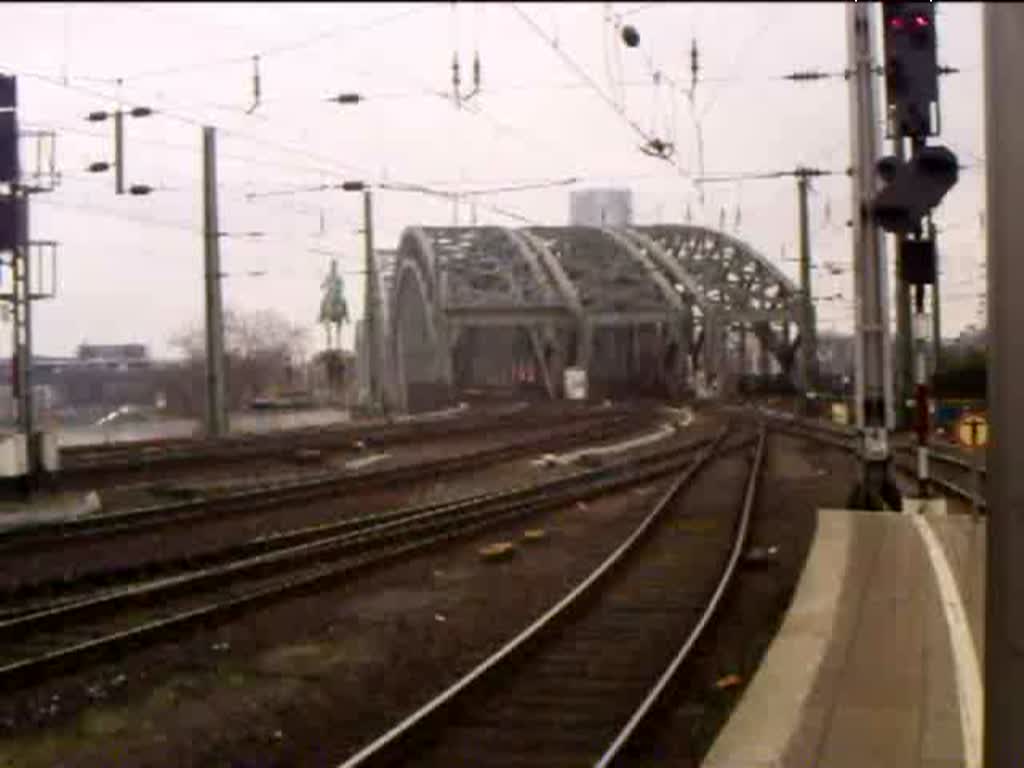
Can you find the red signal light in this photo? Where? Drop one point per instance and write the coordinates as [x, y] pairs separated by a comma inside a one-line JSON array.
[[897, 23], [921, 21]]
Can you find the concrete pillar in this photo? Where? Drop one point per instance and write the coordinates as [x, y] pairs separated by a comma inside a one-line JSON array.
[[1003, 58]]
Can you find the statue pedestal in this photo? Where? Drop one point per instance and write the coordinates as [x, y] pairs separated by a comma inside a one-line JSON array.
[[333, 373]]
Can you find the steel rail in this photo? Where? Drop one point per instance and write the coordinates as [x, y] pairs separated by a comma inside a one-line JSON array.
[[389, 747], [254, 499], [95, 455], [307, 538], [84, 462], [650, 702], [842, 437], [363, 548]]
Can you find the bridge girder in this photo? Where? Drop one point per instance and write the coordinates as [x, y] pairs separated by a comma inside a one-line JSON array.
[[652, 303]]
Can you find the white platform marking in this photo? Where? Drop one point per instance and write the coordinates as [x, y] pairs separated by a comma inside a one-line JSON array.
[[965, 656]]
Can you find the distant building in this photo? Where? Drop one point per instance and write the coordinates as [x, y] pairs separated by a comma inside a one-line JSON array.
[[114, 355], [99, 378], [601, 208]]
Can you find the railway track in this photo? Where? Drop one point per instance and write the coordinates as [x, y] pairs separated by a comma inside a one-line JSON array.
[[89, 465], [955, 477], [32, 596], [578, 685], [105, 452], [61, 637], [327, 484]]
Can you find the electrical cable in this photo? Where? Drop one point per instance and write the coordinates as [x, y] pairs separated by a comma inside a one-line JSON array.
[[275, 50], [582, 73], [250, 238], [744, 49], [161, 9], [196, 122], [618, 77], [167, 224], [248, 160], [420, 189], [605, 29], [504, 128]]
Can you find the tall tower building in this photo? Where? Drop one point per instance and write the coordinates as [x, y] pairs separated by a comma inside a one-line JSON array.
[[601, 208]]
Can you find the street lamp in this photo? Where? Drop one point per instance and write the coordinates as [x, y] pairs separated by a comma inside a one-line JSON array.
[[100, 116]]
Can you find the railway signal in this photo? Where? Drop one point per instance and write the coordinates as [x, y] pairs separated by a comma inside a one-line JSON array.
[[912, 189], [911, 69]]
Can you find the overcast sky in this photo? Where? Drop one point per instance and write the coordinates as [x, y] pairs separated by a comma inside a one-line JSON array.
[[130, 268]]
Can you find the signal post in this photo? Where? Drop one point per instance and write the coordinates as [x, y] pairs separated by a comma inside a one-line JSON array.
[[873, 362], [911, 189], [914, 187]]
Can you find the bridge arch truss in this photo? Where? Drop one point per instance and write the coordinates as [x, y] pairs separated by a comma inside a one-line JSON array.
[[651, 309]]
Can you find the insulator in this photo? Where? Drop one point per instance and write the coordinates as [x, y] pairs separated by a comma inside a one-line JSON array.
[[255, 84]]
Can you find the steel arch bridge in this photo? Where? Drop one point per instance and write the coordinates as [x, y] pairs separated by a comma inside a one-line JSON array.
[[655, 310]]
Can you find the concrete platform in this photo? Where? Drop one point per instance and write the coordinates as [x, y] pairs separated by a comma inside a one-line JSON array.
[[875, 663]]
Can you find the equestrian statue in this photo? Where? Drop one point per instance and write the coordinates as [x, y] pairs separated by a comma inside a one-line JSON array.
[[333, 308]]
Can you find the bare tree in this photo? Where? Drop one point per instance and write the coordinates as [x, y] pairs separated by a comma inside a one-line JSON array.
[[263, 349]]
